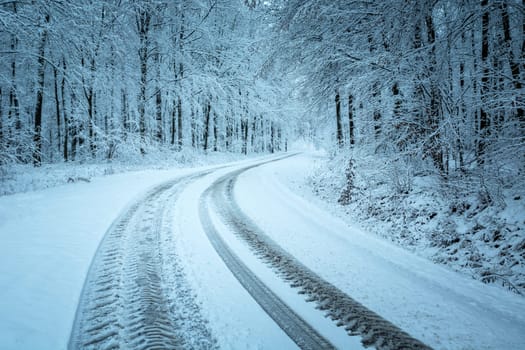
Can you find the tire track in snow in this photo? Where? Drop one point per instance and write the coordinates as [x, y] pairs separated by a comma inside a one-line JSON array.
[[290, 322], [341, 308], [135, 295]]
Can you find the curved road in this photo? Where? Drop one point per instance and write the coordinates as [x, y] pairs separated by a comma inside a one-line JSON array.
[[136, 295], [341, 308]]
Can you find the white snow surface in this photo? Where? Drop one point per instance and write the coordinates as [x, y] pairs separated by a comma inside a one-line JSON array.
[[236, 320], [324, 326], [49, 237], [442, 308], [47, 241]]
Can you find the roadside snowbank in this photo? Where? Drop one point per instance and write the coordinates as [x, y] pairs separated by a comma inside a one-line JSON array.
[[452, 224], [16, 178]]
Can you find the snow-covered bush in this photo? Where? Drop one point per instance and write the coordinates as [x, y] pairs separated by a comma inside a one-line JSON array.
[[476, 227]]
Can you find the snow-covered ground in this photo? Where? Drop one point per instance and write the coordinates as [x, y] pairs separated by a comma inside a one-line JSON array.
[[443, 308], [235, 319], [48, 239], [476, 228], [16, 178], [50, 236]]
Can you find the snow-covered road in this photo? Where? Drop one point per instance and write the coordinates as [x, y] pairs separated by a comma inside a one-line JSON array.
[[338, 306], [166, 259], [442, 308], [135, 293]]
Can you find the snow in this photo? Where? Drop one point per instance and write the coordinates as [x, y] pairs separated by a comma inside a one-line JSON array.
[[48, 239], [225, 303], [50, 236], [436, 305], [316, 318], [448, 221], [16, 178]]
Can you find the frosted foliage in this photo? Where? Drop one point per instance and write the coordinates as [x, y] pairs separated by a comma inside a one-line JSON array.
[[101, 80]]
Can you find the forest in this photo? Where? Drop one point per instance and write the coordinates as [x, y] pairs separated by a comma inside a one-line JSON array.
[[95, 80], [424, 88], [431, 80]]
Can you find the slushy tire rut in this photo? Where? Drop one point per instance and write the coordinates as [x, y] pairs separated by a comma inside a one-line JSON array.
[[357, 320], [135, 295]]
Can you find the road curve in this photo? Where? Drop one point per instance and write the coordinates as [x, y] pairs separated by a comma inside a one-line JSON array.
[[341, 308], [292, 324], [135, 295]]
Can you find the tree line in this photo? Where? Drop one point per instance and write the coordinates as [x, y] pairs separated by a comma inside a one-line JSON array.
[[436, 84], [93, 80]]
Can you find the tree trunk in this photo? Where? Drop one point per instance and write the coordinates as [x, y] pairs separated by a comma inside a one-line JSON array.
[[484, 118], [158, 103], [376, 116], [143, 18], [57, 112], [125, 113], [351, 126], [142, 99], [339, 123], [180, 76], [436, 151], [253, 134], [37, 137], [272, 138], [91, 120], [377, 124], [76, 137], [514, 64], [173, 130], [193, 129], [158, 117], [229, 133], [14, 104], [179, 123], [89, 94], [66, 120], [279, 138], [207, 111], [215, 132], [244, 135]]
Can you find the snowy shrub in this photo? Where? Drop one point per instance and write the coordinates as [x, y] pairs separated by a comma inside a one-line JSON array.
[[454, 221], [109, 171], [490, 276], [446, 236], [346, 194], [402, 177]]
